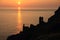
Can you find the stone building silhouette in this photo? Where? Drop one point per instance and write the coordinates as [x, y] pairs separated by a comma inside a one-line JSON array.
[[42, 31]]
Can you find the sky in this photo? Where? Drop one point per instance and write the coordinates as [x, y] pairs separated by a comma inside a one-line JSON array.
[[29, 4]]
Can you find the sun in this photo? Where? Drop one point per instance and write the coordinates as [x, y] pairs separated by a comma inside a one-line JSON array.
[[19, 2]]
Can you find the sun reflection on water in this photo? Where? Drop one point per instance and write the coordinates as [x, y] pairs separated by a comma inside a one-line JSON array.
[[19, 19]]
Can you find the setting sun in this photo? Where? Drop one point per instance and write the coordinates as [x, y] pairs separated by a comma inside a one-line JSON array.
[[19, 3]]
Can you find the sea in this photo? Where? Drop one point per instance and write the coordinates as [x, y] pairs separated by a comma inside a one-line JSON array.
[[8, 20]]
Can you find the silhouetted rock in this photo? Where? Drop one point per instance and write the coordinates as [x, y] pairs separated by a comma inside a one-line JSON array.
[[42, 31]]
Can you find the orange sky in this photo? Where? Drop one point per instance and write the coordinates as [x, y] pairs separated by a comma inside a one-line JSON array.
[[30, 3]]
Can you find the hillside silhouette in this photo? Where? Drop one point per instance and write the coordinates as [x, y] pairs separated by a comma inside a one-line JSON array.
[[43, 31]]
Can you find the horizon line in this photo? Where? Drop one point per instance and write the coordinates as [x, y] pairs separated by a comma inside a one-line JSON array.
[[28, 9]]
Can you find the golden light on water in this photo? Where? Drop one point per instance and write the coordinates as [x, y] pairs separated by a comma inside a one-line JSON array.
[[19, 19]]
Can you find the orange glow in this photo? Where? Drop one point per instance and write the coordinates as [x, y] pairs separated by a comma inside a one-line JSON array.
[[30, 3], [40, 3], [18, 3], [19, 25]]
